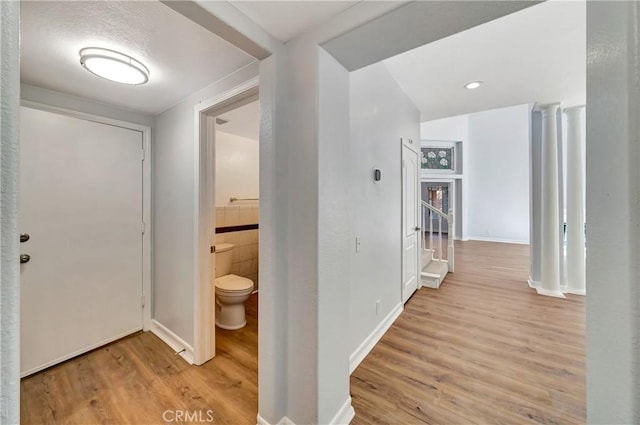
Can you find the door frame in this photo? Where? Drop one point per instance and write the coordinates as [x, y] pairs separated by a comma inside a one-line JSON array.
[[407, 142], [146, 224], [204, 341], [451, 183]]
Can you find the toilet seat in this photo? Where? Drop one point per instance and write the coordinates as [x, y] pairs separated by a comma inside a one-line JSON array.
[[232, 283]]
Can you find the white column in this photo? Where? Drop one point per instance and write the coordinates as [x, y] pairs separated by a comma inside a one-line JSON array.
[[575, 260], [9, 164], [535, 198], [550, 239]]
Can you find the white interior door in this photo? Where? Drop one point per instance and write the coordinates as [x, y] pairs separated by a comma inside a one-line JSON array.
[[81, 205], [410, 222]]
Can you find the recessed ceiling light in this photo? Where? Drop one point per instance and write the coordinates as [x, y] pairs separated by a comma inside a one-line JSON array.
[[473, 85], [114, 66]]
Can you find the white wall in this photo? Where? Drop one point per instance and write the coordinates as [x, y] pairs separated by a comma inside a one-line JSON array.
[[380, 115], [80, 104], [496, 170], [333, 238], [613, 202], [9, 245], [498, 174], [455, 129], [173, 208], [237, 167]]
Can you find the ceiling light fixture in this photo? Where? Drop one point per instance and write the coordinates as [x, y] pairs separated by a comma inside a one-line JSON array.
[[114, 66], [473, 85]]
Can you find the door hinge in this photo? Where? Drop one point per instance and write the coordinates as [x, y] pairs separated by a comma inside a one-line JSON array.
[[143, 227], [143, 154], [212, 249], [142, 300]]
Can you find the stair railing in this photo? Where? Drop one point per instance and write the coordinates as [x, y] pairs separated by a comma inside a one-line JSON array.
[[429, 214]]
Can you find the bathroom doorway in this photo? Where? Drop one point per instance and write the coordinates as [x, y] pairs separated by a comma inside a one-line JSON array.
[[237, 187], [211, 118]]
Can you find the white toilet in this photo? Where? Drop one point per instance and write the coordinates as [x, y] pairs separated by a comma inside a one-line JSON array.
[[231, 291]]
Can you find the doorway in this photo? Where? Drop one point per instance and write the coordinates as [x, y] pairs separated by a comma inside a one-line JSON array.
[[441, 195], [88, 177], [206, 221], [410, 221]]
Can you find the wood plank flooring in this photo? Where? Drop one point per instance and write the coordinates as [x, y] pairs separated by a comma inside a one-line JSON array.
[[136, 379], [482, 349]]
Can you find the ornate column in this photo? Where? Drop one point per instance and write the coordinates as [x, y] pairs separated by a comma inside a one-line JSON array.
[[575, 260], [535, 198], [550, 278]]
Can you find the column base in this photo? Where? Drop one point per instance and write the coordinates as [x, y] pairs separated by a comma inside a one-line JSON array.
[[573, 291], [550, 293], [533, 283]]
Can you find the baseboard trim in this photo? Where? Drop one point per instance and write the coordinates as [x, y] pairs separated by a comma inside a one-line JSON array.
[[533, 283], [575, 291], [176, 343], [344, 415], [367, 345], [549, 293], [498, 240], [283, 421]]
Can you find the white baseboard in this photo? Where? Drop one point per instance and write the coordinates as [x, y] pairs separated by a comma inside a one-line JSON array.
[[283, 421], [575, 291], [548, 293], [533, 283], [367, 345], [172, 340], [499, 240], [345, 415]]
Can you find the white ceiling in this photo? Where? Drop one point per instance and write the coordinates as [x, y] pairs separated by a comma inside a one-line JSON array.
[[182, 57], [534, 55], [284, 20], [243, 121]]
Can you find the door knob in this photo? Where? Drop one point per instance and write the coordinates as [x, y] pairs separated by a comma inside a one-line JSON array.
[[417, 229], [24, 258], [24, 237]]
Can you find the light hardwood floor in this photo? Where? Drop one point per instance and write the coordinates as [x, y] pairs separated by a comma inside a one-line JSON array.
[[481, 349], [484, 348], [136, 379]]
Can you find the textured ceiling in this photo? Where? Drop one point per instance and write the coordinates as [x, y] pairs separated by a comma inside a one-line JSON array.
[[285, 20], [181, 56], [534, 55], [243, 121]]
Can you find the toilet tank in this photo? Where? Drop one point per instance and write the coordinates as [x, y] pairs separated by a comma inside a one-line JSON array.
[[224, 254]]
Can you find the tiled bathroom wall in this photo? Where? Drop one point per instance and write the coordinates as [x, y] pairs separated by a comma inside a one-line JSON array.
[[245, 252], [237, 215]]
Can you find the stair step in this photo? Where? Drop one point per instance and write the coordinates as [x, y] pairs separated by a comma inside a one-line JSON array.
[[436, 267], [434, 273]]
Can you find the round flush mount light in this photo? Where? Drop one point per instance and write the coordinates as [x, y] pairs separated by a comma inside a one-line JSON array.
[[114, 66], [473, 85]]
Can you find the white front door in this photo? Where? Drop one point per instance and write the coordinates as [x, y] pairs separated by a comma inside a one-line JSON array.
[[81, 205], [410, 222]]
